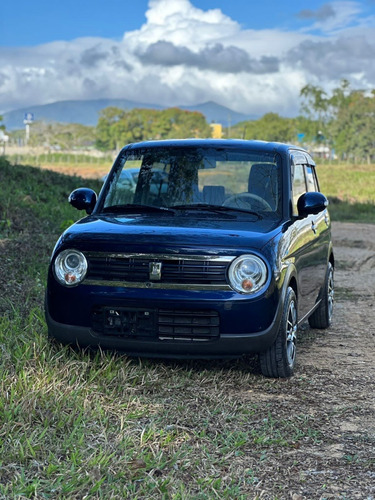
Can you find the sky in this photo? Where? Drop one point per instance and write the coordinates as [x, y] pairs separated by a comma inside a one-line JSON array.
[[253, 57]]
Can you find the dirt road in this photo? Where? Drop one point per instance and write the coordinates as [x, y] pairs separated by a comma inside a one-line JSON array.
[[343, 358], [334, 385]]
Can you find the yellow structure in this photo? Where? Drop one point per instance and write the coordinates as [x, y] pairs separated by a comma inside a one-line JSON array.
[[216, 130]]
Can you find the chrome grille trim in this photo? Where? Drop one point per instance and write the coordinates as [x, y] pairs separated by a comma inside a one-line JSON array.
[[152, 285], [159, 256], [179, 272]]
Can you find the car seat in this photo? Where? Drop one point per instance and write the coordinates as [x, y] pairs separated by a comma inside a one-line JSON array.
[[263, 182]]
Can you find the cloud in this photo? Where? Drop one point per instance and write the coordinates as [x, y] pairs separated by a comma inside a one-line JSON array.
[[3, 79], [215, 58], [180, 22], [184, 55], [332, 17], [324, 12], [93, 57], [344, 57]]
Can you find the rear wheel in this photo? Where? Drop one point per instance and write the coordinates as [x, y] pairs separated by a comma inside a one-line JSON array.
[[322, 316], [279, 360]]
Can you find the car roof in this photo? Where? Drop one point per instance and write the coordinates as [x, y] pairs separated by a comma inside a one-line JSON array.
[[217, 143]]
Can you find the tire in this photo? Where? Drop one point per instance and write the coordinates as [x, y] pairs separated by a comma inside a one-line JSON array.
[[322, 316], [279, 360]]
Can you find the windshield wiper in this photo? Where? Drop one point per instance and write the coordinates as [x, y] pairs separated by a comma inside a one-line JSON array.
[[138, 207], [214, 208]]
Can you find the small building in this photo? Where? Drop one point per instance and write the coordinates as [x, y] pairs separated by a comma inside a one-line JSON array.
[[216, 130]]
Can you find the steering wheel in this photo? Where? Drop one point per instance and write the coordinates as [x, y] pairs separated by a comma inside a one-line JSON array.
[[243, 200]]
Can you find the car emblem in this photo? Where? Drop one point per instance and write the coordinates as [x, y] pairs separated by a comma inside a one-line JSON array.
[[155, 271]]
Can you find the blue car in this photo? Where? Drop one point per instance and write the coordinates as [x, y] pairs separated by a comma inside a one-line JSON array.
[[222, 249]]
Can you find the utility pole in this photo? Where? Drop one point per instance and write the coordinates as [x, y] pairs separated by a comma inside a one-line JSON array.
[[28, 120]]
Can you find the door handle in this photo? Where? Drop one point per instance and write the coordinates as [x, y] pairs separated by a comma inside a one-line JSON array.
[[313, 227]]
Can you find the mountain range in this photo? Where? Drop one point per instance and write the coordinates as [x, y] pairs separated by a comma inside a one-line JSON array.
[[87, 112]]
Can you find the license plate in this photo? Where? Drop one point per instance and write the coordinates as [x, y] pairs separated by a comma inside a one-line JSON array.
[[130, 322]]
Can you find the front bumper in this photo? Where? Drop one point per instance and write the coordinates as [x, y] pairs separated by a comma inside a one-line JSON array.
[[226, 345]]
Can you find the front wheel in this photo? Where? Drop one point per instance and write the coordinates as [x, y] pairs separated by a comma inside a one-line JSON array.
[[322, 316], [279, 359]]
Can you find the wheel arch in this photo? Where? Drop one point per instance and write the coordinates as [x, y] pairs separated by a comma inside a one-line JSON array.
[[290, 280], [293, 284], [332, 258]]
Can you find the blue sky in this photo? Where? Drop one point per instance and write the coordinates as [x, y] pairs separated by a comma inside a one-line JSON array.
[[26, 22], [250, 56]]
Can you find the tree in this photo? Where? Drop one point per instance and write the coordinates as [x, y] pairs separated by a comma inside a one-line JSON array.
[[2, 126], [106, 128], [354, 126], [271, 127], [62, 135], [117, 127], [3, 138], [346, 118], [315, 104]]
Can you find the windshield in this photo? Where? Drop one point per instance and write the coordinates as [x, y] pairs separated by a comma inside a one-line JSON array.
[[192, 178]]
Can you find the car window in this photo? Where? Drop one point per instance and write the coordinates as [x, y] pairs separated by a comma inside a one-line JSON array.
[[311, 179], [298, 185], [169, 177]]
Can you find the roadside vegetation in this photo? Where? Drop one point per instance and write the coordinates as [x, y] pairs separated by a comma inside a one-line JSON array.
[[99, 425], [337, 126]]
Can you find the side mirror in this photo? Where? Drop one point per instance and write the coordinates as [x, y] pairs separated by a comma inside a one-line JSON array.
[[311, 204], [83, 199]]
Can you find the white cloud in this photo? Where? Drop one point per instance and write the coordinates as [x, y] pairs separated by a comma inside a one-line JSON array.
[[179, 22], [183, 55]]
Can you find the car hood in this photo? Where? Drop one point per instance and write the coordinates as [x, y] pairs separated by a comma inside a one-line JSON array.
[[168, 233]]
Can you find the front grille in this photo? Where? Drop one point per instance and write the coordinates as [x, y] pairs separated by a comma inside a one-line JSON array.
[[188, 325], [190, 270], [156, 324]]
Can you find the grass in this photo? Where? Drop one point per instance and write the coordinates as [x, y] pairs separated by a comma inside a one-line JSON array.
[[63, 158], [84, 166], [100, 425], [75, 424], [350, 190]]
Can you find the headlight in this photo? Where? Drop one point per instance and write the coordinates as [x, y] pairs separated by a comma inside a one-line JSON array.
[[247, 274], [70, 267]]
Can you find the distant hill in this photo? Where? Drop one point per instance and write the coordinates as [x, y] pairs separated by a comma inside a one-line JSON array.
[[87, 112]]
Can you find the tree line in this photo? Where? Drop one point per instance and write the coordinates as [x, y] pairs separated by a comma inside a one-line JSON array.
[[117, 127], [343, 121]]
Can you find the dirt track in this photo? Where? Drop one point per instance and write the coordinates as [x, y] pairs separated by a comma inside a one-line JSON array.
[[348, 346], [334, 383]]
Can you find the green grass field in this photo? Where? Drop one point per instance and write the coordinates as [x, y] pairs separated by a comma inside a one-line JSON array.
[[84, 425], [350, 189]]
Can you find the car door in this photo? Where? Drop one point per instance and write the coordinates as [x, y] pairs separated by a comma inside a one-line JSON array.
[[306, 236], [321, 225]]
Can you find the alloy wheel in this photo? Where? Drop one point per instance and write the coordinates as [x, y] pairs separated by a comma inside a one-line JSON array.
[[291, 333]]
